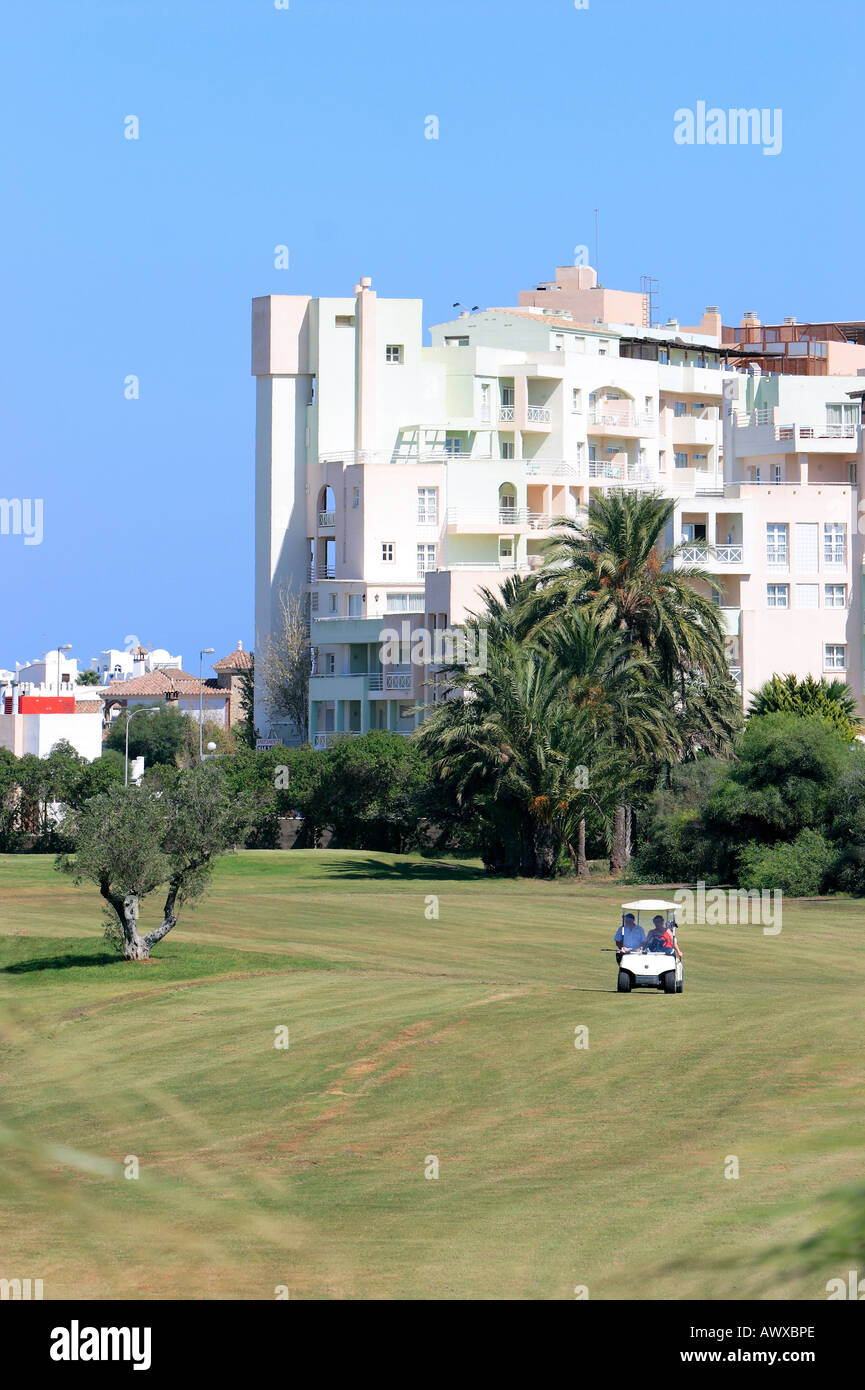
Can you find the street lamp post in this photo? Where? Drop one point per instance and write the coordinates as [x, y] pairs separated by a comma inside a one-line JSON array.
[[67, 647], [139, 709], [205, 651]]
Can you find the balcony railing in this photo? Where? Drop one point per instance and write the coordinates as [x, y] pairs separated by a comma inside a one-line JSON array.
[[724, 554], [764, 416], [317, 572], [506, 516], [322, 741], [736, 675], [620, 419], [506, 414], [538, 415], [327, 520]]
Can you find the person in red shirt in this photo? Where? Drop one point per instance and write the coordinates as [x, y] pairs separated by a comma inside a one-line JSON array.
[[660, 938]]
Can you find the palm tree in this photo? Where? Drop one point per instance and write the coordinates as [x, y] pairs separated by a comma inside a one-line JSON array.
[[832, 699], [617, 563], [508, 741], [614, 686]]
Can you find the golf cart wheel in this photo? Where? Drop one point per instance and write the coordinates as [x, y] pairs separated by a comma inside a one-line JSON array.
[[680, 985], [624, 982], [670, 982]]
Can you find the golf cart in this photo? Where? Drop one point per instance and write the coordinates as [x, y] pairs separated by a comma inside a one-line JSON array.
[[652, 965]]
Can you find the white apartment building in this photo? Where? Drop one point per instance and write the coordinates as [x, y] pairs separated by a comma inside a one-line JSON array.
[[393, 480]]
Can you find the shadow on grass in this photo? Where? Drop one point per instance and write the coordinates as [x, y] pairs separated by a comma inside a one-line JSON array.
[[27, 967], [432, 869]]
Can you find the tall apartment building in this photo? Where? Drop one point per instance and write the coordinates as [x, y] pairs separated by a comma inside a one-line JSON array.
[[393, 479]]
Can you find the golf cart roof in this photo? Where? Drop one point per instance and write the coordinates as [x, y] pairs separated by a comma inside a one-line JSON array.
[[650, 905]]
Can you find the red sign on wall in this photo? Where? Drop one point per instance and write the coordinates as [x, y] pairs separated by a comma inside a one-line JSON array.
[[43, 704]]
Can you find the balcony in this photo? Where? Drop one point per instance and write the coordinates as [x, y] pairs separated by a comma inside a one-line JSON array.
[[506, 414], [602, 419], [538, 415], [323, 741], [326, 521], [721, 555], [320, 571], [490, 521]]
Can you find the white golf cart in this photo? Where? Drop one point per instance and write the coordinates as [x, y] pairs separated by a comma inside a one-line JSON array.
[[652, 965]]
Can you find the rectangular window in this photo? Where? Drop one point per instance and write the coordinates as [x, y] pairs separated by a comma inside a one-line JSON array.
[[355, 497], [807, 541], [681, 460], [776, 472], [777, 552], [355, 605], [329, 663], [507, 448], [663, 356], [807, 595], [778, 595], [333, 603], [835, 658], [576, 399], [393, 353], [485, 401], [835, 543], [835, 596], [426, 559], [427, 506], [344, 320], [453, 446], [405, 603], [387, 552], [603, 347], [507, 395], [680, 408], [456, 342]]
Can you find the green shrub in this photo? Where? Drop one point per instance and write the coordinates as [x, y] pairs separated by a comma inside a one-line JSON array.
[[799, 869]]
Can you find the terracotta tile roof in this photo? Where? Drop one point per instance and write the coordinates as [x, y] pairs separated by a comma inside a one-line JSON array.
[[235, 661], [88, 706], [157, 683]]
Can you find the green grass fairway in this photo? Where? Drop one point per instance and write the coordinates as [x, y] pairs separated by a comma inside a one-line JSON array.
[[412, 1037]]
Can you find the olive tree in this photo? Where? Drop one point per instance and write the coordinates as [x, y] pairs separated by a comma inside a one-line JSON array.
[[132, 841]]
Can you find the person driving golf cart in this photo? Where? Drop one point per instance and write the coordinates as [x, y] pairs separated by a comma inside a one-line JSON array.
[[660, 938], [629, 936]]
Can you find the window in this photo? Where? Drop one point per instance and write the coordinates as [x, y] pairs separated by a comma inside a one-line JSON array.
[[603, 347], [393, 353], [807, 595], [453, 446], [485, 401], [580, 344], [701, 460], [355, 497], [405, 603], [329, 663], [506, 548], [776, 543], [854, 474], [681, 460], [355, 605], [333, 603], [387, 552], [427, 506], [835, 658], [778, 595], [456, 342], [313, 606], [663, 357], [344, 320], [507, 448], [576, 399], [835, 596], [835, 543], [559, 342], [680, 408], [426, 559], [507, 395], [776, 472], [806, 547]]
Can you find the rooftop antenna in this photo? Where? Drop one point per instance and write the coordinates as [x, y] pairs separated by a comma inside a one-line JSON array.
[[649, 289], [473, 310]]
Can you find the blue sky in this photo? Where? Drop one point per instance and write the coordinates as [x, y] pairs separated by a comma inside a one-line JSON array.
[[305, 127]]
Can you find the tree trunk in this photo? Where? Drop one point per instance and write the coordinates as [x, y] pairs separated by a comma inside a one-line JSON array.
[[619, 854], [133, 947], [545, 851], [629, 832], [582, 868]]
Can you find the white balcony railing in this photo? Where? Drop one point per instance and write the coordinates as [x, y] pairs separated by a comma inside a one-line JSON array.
[[538, 415], [327, 520], [506, 414], [729, 554], [322, 741], [620, 419], [505, 516]]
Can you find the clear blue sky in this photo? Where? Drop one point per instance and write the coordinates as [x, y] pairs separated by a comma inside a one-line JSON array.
[[305, 127]]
